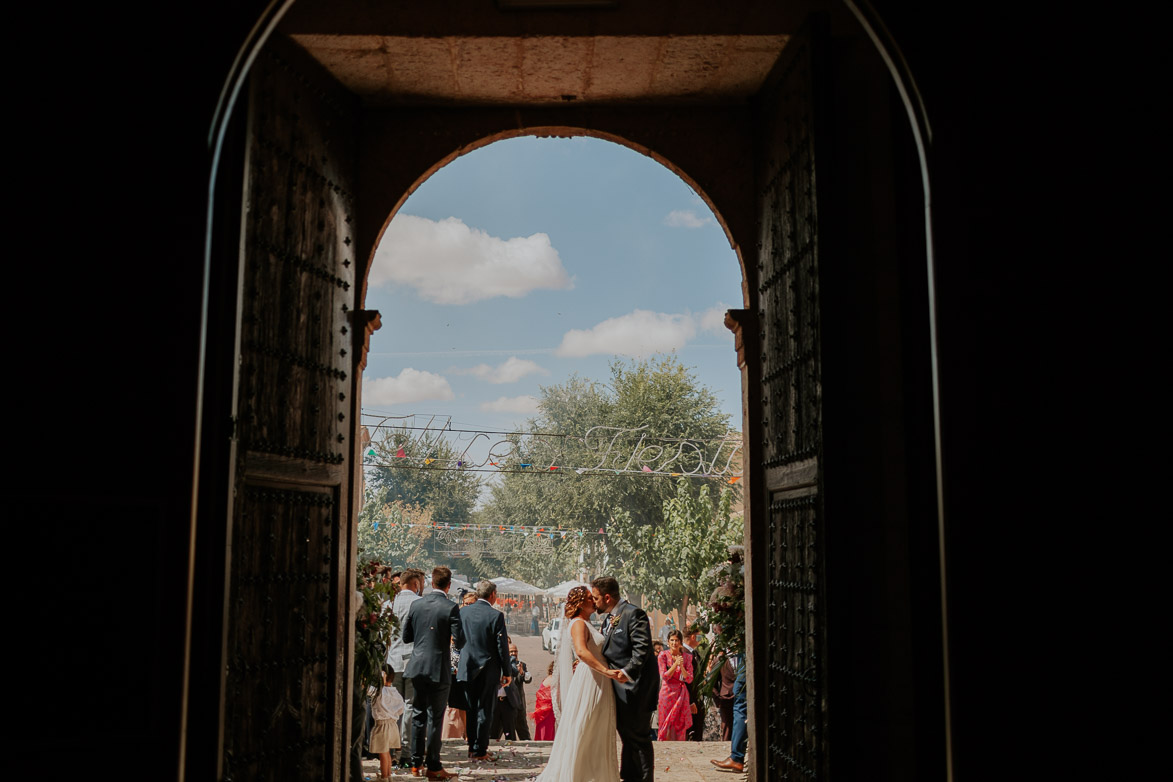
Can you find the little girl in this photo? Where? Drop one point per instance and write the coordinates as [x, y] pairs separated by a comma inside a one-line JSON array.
[[385, 708], [544, 709]]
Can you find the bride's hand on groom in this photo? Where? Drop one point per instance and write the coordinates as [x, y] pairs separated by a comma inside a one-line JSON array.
[[617, 674]]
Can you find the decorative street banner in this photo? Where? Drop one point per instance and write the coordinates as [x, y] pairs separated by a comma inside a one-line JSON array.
[[600, 450]]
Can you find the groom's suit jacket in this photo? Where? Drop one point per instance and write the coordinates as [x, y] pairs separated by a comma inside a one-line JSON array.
[[628, 645]]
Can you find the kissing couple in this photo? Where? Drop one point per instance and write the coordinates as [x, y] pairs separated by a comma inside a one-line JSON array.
[[595, 673]]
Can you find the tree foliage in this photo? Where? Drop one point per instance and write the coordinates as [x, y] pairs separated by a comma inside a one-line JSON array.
[[666, 562], [540, 561], [424, 476], [412, 484], [395, 532], [651, 401]]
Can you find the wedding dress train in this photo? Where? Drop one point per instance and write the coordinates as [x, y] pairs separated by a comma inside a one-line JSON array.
[[584, 741]]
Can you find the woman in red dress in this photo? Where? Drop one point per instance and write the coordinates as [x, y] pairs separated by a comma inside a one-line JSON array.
[[544, 709], [675, 715]]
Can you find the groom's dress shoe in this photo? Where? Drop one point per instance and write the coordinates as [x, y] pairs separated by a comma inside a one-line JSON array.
[[441, 774], [728, 764]]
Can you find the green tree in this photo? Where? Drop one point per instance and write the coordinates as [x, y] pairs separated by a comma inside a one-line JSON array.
[[639, 416], [645, 408], [420, 468], [666, 562], [394, 532], [535, 559]]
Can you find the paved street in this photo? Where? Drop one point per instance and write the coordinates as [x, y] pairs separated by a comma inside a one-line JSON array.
[[679, 761]]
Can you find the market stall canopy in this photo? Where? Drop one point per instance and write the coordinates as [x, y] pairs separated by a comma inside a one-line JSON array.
[[563, 589], [511, 586], [457, 585]]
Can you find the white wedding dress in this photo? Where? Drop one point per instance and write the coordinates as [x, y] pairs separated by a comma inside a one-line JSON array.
[[584, 739]]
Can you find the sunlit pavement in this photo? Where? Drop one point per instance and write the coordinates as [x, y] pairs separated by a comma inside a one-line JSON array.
[[679, 761]]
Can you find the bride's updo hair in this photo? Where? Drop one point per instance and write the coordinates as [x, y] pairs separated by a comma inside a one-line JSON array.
[[574, 600]]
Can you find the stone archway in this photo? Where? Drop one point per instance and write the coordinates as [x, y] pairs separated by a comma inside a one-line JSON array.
[[755, 161]]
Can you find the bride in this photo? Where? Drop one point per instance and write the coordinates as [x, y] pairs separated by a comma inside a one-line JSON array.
[[584, 702]]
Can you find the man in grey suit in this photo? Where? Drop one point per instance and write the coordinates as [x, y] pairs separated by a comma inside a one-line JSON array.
[[627, 645], [431, 622], [484, 665]]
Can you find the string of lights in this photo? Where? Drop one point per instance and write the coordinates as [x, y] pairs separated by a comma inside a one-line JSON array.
[[610, 450], [499, 529], [528, 469]]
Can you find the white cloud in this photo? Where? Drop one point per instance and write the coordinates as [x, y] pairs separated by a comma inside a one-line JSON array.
[[638, 334], [713, 319], [447, 262], [509, 371], [526, 405], [686, 218], [412, 385]]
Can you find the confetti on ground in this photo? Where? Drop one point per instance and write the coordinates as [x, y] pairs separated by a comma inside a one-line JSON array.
[[523, 761]]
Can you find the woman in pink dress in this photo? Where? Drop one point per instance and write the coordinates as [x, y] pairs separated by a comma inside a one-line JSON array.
[[675, 714], [544, 709]]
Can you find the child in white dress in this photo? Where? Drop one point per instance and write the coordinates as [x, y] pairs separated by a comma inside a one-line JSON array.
[[386, 706]]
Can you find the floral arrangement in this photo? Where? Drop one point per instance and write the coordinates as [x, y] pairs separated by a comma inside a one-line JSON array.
[[726, 606], [725, 613], [374, 623]]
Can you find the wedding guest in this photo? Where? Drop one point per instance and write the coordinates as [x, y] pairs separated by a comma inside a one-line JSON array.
[[454, 715], [484, 666], [509, 703], [521, 725], [723, 696], [544, 708], [431, 622], [386, 706], [696, 700], [657, 647], [674, 714], [411, 583]]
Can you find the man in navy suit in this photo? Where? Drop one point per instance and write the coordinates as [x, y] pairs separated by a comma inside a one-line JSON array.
[[431, 622], [484, 665], [627, 645]]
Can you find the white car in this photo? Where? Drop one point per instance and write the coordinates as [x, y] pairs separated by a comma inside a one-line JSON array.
[[550, 635]]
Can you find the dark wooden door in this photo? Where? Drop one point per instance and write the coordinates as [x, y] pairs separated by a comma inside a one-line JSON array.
[[787, 569], [289, 570]]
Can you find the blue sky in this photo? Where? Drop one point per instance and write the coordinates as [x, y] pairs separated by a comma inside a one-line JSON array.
[[531, 259]]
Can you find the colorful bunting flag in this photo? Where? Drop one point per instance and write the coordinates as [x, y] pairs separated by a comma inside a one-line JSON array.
[[400, 453]]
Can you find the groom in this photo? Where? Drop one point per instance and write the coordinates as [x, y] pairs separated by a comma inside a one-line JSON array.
[[627, 645]]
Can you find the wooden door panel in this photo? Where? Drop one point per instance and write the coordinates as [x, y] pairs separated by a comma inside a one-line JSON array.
[[791, 707], [286, 692]]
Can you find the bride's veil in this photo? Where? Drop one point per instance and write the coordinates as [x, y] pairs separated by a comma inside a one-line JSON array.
[[563, 669]]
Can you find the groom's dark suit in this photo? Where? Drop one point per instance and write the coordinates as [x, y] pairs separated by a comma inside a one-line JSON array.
[[628, 645]]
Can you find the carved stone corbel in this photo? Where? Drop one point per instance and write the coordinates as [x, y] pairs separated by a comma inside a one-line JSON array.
[[741, 322], [366, 323]]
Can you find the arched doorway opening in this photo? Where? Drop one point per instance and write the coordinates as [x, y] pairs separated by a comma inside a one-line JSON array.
[[767, 196], [597, 255]]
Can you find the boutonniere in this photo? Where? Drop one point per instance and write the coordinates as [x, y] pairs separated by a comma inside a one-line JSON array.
[[614, 621]]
